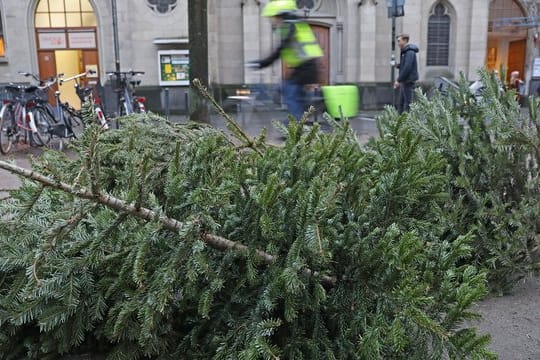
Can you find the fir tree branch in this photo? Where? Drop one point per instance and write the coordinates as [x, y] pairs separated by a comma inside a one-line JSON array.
[[91, 163], [34, 272], [248, 141], [174, 225], [34, 199], [114, 226]]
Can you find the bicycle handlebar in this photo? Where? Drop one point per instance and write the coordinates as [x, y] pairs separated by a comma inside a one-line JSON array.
[[27, 74], [43, 84], [74, 77]]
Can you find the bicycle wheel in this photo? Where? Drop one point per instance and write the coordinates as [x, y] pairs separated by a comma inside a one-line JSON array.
[[122, 111], [126, 108], [44, 123], [8, 129], [74, 122]]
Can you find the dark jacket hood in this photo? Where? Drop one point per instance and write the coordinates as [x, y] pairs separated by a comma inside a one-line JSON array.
[[410, 47]]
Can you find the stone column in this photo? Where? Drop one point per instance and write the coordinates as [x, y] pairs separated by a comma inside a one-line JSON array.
[[366, 37], [252, 38], [479, 17], [532, 46]]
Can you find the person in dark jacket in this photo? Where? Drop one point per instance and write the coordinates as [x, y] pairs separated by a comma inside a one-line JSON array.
[[408, 72], [298, 49]]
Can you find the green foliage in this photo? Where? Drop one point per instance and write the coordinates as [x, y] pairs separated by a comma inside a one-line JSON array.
[[78, 276], [491, 149], [88, 114]]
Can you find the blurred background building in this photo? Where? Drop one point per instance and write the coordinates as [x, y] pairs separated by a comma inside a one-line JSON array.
[[454, 36]]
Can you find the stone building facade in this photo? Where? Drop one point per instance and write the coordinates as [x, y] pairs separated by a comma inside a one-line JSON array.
[[454, 36]]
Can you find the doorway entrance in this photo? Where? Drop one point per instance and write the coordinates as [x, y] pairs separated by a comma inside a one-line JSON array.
[[68, 62], [66, 43], [507, 37]]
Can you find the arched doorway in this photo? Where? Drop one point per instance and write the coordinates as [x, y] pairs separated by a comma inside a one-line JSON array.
[[507, 37], [66, 42]]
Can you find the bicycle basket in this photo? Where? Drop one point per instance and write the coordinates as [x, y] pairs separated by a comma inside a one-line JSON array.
[[11, 92]]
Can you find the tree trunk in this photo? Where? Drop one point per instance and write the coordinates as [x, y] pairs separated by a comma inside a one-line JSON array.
[[198, 56]]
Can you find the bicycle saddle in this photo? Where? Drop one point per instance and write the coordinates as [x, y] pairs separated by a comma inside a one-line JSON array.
[[83, 92]]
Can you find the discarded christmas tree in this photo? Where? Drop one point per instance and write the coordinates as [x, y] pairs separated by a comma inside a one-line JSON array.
[[492, 150], [174, 241]]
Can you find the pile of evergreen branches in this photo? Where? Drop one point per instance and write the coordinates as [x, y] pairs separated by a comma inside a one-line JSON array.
[[171, 241], [491, 147]]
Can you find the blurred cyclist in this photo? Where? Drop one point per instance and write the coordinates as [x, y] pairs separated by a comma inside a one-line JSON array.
[[298, 50]]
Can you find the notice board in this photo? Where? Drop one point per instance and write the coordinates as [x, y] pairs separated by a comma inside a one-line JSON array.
[[173, 67]]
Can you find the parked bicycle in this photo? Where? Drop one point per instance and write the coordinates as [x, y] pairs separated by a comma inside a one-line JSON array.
[[64, 120], [443, 85], [128, 102], [88, 95], [21, 119], [68, 120]]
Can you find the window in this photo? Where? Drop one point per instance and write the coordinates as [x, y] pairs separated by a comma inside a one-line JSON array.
[[438, 45], [308, 5], [2, 42], [161, 6], [64, 13]]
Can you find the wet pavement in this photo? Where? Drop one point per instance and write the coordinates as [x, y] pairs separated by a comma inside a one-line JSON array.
[[252, 121], [20, 156]]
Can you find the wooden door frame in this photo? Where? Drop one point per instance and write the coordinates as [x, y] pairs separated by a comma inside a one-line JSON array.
[[45, 71], [66, 31]]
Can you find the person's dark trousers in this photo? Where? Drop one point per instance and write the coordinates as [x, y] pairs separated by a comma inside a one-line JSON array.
[[406, 93], [294, 97]]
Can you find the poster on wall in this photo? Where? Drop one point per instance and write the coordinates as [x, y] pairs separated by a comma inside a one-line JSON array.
[[82, 39], [173, 67], [52, 40]]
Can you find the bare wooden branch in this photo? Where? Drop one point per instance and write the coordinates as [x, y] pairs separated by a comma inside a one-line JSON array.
[[244, 137], [215, 241]]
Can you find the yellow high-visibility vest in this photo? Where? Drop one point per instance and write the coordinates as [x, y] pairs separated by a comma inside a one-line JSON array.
[[304, 45]]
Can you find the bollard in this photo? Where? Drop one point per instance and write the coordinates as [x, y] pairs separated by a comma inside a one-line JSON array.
[[167, 104]]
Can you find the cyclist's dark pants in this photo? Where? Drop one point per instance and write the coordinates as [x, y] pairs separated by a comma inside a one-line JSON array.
[[294, 93], [294, 97]]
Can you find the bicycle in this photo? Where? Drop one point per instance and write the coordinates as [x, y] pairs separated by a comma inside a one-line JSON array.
[[68, 120], [128, 102], [270, 97], [19, 118], [88, 95], [64, 121]]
